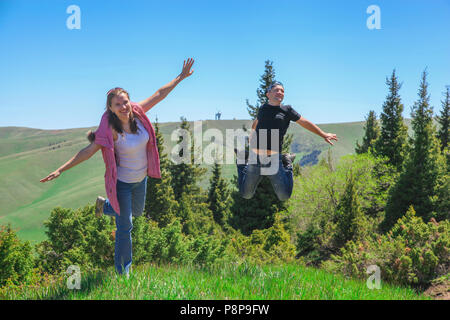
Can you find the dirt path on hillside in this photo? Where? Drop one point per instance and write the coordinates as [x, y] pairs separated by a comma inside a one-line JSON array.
[[439, 291]]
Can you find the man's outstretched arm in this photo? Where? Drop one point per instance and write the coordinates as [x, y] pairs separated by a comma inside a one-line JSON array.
[[315, 129]]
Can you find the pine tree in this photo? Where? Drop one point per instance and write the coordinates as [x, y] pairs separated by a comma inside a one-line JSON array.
[[266, 79], [258, 212], [185, 176], [163, 159], [287, 142], [219, 196], [444, 120], [371, 134], [160, 203], [349, 215], [392, 140], [421, 180]]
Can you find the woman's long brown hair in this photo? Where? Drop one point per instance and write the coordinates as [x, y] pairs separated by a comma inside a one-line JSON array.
[[113, 120]]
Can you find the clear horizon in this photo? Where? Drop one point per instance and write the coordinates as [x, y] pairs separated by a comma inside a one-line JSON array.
[[332, 65], [327, 123]]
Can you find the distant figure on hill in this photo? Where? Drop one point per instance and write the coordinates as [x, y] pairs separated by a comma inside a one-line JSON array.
[[265, 153], [218, 114], [128, 143]]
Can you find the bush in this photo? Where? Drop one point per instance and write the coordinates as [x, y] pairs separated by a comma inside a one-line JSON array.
[[76, 237], [16, 260], [308, 245], [171, 245], [326, 234], [196, 218], [271, 245], [208, 250], [412, 253], [317, 193]]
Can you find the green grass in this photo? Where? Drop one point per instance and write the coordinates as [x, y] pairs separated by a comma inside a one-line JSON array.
[[243, 282]]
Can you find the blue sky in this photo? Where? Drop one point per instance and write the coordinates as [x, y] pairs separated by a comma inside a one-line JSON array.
[[332, 65]]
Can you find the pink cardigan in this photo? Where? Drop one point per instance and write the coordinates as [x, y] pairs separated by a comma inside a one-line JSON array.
[[104, 137]]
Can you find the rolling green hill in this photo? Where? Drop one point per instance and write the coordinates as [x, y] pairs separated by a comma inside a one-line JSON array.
[[27, 155]]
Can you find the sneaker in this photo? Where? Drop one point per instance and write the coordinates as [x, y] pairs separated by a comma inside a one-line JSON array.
[[288, 160], [99, 206], [246, 155]]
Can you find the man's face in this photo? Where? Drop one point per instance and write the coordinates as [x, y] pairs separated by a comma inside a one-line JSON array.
[[277, 93]]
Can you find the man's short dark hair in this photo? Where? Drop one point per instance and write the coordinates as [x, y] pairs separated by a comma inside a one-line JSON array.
[[273, 84]]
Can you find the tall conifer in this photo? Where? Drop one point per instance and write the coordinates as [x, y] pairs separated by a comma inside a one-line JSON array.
[[444, 121], [266, 79], [371, 133], [349, 216], [185, 176], [160, 203], [392, 141], [219, 196], [421, 180]]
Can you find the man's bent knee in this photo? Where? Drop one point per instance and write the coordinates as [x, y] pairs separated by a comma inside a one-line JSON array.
[[246, 195], [283, 196]]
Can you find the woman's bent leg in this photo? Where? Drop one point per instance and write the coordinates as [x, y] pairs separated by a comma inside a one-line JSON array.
[[108, 209]]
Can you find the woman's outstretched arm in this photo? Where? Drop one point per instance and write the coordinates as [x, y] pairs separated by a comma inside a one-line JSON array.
[[162, 92], [81, 156], [315, 129]]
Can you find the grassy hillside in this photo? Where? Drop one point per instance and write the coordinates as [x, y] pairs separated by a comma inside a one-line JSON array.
[[243, 282], [27, 155]]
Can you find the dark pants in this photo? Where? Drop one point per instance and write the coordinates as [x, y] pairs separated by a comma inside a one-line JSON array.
[[250, 175]]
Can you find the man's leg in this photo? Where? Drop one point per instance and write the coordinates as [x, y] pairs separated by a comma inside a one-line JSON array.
[[248, 179], [282, 182]]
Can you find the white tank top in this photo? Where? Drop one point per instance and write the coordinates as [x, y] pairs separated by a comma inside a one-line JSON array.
[[131, 154]]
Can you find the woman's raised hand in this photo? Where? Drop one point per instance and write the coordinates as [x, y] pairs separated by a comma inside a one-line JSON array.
[[186, 72], [51, 176]]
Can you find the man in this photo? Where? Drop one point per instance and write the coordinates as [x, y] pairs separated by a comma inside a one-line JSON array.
[[266, 141]]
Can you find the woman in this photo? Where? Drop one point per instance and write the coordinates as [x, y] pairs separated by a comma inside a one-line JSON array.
[[266, 142], [130, 153]]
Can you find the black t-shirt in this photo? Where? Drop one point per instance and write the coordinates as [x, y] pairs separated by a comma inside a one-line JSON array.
[[275, 117]]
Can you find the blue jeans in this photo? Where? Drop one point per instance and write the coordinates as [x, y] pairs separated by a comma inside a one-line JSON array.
[[250, 175], [131, 197]]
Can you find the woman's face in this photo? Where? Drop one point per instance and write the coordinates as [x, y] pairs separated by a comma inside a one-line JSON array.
[[121, 106]]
